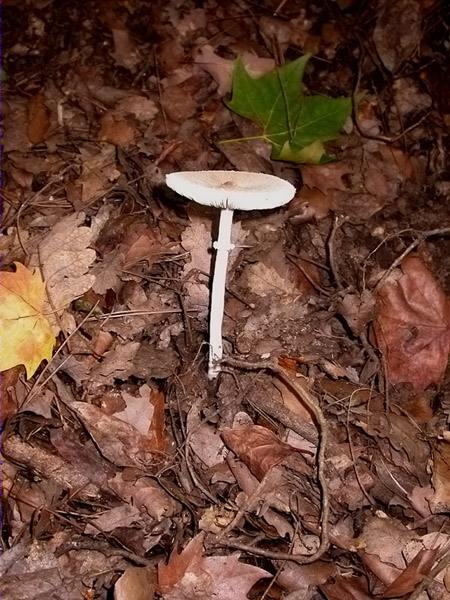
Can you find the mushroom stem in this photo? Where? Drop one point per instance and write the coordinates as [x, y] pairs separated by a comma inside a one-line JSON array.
[[223, 246]]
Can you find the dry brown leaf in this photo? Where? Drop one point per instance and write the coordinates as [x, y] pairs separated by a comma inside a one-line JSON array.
[[398, 31], [258, 447], [98, 173], [116, 129], [145, 494], [221, 69], [189, 575], [136, 583], [413, 574], [140, 107], [358, 310], [350, 588], [440, 501], [413, 326], [172, 573], [146, 414], [118, 441], [138, 411], [124, 515], [326, 177], [38, 119], [65, 255], [125, 52]]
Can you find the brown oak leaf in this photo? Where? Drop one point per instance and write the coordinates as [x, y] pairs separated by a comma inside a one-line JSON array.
[[412, 327]]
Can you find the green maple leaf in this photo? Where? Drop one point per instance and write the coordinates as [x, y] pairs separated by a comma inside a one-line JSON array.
[[296, 125]]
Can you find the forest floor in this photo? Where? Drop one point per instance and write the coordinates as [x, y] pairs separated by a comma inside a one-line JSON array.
[[317, 464]]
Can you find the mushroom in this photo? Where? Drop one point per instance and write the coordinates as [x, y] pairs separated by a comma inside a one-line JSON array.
[[227, 190]]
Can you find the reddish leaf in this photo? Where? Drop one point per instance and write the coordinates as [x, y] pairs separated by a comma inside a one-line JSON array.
[[189, 575], [258, 447], [157, 431], [413, 326], [414, 573], [169, 575], [116, 129], [38, 119], [137, 583]]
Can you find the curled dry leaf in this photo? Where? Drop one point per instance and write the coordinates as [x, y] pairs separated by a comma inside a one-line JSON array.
[[258, 447], [412, 327], [415, 573], [118, 441]]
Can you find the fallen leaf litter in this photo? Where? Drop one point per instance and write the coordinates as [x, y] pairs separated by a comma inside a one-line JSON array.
[[316, 462]]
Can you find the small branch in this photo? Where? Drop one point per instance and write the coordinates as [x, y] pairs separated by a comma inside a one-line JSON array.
[[421, 236], [310, 402], [337, 224]]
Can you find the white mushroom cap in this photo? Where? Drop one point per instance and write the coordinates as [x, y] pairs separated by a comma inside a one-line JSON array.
[[232, 189]]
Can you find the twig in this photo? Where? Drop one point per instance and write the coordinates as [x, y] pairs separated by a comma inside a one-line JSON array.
[[337, 223], [421, 236], [315, 409]]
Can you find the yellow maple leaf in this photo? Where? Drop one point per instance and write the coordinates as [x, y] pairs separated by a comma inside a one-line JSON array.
[[26, 337]]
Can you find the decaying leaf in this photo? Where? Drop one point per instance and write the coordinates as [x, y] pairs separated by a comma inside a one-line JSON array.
[[221, 69], [116, 129], [118, 441], [189, 575], [38, 119], [413, 326], [136, 583], [66, 256], [413, 574], [26, 337], [440, 501], [350, 588], [398, 31], [258, 447]]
